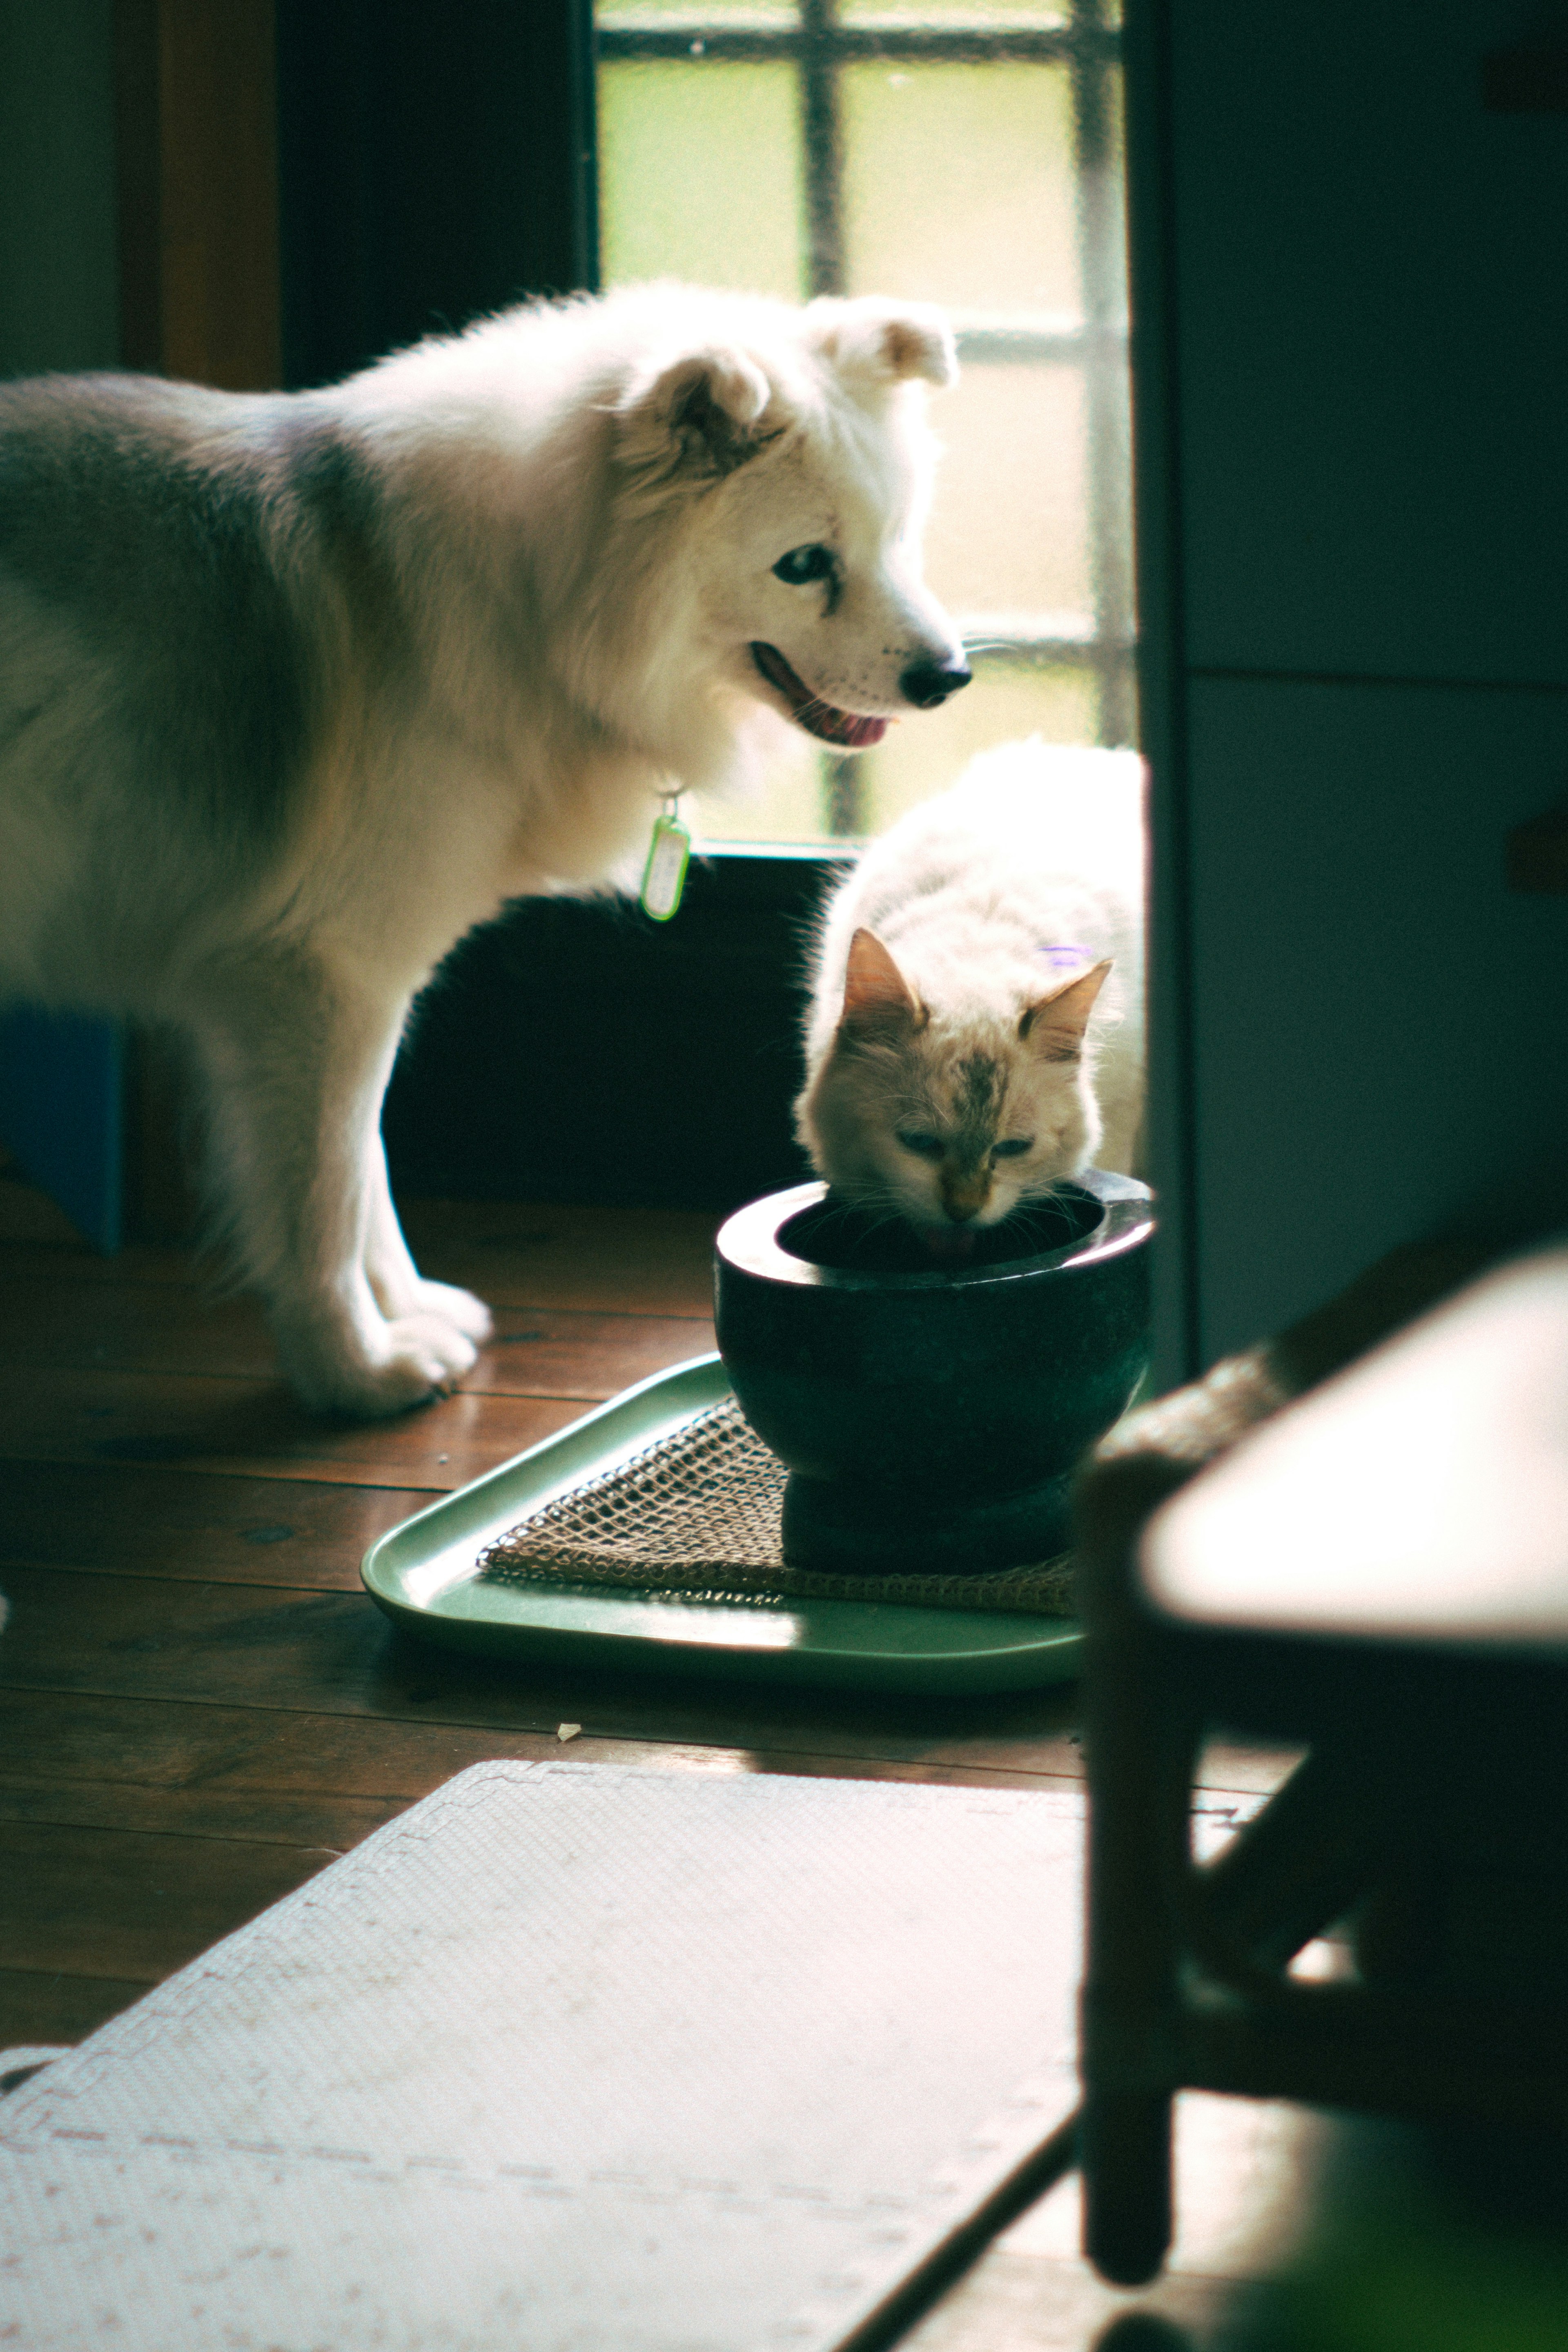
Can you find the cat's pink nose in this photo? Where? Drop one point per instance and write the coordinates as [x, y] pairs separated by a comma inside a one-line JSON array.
[[962, 1201]]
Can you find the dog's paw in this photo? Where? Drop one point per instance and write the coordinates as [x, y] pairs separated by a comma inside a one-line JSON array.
[[428, 1348], [422, 1357], [460, 1309]]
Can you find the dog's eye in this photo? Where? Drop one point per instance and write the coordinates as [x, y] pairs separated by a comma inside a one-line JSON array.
[[804, 563], [1012, 1148], [928, 1147]]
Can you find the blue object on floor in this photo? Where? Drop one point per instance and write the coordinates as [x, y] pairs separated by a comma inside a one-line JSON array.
[[62, 1112]]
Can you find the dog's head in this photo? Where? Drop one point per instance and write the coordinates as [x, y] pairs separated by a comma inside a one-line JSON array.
[[794, 449]]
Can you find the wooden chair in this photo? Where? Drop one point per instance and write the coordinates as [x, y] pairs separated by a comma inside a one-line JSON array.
[[1374, 1563]]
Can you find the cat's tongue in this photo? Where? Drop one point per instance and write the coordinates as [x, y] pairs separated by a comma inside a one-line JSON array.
[[847, 728]]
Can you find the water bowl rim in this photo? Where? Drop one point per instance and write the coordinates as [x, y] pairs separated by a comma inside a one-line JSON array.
[[748, 1242]]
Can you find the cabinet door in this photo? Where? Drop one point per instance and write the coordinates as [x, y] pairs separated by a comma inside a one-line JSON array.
[[1349, 248], [1380, 1026], [1372, 333]]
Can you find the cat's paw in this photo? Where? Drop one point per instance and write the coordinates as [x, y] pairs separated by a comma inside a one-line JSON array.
[[418, 1358]]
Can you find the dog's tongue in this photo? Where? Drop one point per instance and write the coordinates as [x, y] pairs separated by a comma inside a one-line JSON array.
[[820, 719]]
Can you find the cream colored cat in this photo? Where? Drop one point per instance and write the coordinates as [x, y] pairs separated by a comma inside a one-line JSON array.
[[976, 1027]]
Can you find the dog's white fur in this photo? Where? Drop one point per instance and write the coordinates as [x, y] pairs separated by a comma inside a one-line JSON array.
[[296, 688]]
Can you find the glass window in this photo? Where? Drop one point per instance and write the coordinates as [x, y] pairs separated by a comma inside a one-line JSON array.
[[961, 151]]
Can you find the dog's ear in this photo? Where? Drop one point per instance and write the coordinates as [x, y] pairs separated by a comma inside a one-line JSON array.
[[700, 416], [885, 342]]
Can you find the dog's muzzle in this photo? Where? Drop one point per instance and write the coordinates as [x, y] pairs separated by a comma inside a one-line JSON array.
[[927, 684]]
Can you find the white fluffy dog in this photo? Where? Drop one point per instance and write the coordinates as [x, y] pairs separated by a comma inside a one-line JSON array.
[[296, 688]]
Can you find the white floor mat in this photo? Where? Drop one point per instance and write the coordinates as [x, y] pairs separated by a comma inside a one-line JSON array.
[[569, 2058]]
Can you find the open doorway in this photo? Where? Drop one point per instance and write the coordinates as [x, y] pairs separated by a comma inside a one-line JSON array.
[[961, 151]]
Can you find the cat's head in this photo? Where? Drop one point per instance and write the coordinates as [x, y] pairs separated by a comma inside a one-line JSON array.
[[951, 1120]]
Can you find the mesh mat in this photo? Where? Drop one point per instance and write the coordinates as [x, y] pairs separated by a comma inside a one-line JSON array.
[[699, 1513]]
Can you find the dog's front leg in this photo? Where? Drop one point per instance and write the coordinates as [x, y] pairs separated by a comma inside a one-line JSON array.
[[400, 1288], [298, 1056]]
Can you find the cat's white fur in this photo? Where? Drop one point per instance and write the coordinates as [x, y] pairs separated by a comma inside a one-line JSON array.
[[296, 688], [956, 996]]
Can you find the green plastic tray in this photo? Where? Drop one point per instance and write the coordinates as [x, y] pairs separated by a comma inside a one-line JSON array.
[[424, 1575]]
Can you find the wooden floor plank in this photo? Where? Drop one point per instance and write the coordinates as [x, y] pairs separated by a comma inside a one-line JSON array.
[[642, 1261], [41, 2005], [1248, 2174], [320, 1824], [107, 1903], [333, 1654], [471, 1713], [47, 1326], [49, 1739], [551, 1351], [248, 1807], [65, 1261], [1246, 2170], [252, 1429], [139, 1520], [87, 1750], [625, 1261], [1011, 2304]]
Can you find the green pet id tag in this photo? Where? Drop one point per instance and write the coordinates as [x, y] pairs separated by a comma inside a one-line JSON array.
[[664, 877]]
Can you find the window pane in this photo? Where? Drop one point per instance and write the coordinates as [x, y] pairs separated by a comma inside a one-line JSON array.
[[790, 803], [694, 16], [959, 185], [1007, 534], [951, 16], [699, 173], [1005, 701]]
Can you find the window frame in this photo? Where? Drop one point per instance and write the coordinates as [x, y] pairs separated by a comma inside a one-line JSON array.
[[1087, 44], [479, 126]]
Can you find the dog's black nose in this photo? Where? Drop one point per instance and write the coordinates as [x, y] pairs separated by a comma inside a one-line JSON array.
[[925, 684]]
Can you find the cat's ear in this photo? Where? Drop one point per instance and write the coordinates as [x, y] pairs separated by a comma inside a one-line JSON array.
[[1054, 1024], [876, 994]]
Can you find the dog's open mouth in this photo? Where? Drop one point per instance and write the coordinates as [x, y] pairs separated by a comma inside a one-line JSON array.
[[847, 728]]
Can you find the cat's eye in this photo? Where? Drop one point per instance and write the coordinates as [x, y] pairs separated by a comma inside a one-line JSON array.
[[1013, 1148], [929, 1147], [804, 563]]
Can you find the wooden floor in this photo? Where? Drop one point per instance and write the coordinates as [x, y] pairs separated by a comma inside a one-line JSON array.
[[202, 1708]]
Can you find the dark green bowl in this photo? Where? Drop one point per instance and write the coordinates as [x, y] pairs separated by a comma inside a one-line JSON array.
[[932, 1417]]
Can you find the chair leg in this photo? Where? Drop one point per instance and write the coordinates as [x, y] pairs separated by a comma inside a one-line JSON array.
[[1139, 1754], [1124, 2148]]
